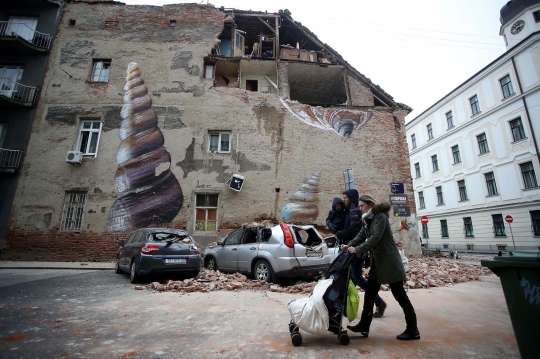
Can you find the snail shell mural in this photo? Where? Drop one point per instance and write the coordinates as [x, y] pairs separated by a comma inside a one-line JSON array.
[[303, 205], [148, 192], [342, 122]]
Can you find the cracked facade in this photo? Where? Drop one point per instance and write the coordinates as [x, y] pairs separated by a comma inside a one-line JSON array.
[[227, 88]]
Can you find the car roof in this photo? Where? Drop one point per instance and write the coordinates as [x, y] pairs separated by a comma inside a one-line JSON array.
[[164, 230]]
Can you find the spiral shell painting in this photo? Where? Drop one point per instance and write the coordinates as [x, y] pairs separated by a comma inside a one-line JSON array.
[[342, 122], [148, 192], [303, 205]]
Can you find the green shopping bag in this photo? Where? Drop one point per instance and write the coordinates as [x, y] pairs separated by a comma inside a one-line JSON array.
[[353, 301]]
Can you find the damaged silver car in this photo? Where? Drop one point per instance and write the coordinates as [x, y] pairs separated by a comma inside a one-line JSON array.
[[269, 253]]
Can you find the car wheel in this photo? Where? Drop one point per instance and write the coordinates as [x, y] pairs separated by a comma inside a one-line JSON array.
[[117, 269], [263, 271], [133, 276], [211, 264]]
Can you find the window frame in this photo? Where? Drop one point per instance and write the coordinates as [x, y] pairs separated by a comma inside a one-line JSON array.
[[413, 141], [91, 131], [467, 221], [219, 133], [506, 88], [535, 222], [421, 199], [536, 16], [417, 170], [482, 144], [429, 128], [440, 196], [532, 182], [475, 105], [206, 208], [425, 231], [498, 225], [520, 129], [444, 228], [462, 190], [101, 76], [491, 184], [456, 155], [74, 204], [450, 120], [435, 163]]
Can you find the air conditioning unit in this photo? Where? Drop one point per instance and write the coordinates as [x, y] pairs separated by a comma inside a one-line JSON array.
[[236, 182], [74, 157]]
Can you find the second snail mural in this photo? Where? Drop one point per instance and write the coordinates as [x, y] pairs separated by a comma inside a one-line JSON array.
[[303, 205]]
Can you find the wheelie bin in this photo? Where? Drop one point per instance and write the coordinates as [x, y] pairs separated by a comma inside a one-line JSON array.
[[519, 273]]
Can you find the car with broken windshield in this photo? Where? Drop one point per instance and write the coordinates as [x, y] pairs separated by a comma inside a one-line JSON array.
[[271, 252], [158, 251]]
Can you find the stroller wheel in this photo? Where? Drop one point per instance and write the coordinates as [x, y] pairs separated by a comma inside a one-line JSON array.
[[344, 338], [296, 339], [291, 326]]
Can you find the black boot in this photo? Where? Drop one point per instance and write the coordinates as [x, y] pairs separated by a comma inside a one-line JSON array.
[[359, 328], [409, 334]]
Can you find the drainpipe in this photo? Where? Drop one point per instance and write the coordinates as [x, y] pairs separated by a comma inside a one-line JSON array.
[[526, 109]]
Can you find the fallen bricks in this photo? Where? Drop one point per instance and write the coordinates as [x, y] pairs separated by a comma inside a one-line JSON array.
[[425, 272]]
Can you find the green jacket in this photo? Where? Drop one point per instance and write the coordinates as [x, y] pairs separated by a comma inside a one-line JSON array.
[[376, 236]]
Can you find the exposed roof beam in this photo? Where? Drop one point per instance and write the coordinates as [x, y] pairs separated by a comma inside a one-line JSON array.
[[266, 24]]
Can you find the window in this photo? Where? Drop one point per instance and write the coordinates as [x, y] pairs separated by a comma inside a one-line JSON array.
[[89, 137], [100, 71], [475, 105], [450, 119], [440, 199], [435, 163], [10, 80], [421, 199], [413, 141], [455, 154], [417, 170], [490, 183], [234, 238], [462, 191], [425, 233], [506, 86], [22, 26], [73, 211], [536, 15], [172, 23], [517, 129], [467, 227], [527, 172], [444, 228], [498, 225], [208, 71], [535, 222], [482, 143], [219, 142], [429, 131], [3, 131], [206, 206]]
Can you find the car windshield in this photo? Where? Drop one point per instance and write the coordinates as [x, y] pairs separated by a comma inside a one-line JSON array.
[[170, 237]]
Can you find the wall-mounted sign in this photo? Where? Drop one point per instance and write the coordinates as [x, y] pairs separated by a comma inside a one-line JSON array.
[[402, 211], [399, 199], [236, 182], [397, 187]]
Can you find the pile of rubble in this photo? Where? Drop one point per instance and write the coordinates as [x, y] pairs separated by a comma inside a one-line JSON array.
[[425, 272]]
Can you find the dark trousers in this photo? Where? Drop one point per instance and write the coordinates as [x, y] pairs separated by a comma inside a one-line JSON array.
[[399, 294], [359, 280]]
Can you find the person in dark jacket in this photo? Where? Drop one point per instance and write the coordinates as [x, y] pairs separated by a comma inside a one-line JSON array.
[[386, 266], [336, 217], [353, 224]]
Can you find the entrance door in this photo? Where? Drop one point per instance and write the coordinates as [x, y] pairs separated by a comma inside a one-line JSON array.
[[238, 47], [10, 77]]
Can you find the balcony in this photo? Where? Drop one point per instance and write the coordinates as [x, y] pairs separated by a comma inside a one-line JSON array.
[[17, 36], [10, 160], [16, 94]]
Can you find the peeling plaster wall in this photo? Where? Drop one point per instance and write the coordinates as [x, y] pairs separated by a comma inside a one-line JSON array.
[[270, 147], [360, 95]]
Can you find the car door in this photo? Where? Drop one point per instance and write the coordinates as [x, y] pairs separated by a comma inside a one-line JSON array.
[[229, 251], [248, 248], [133, 247], [123, 252]]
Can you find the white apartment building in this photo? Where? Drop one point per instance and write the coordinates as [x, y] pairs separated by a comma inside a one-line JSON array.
[[474, 153]]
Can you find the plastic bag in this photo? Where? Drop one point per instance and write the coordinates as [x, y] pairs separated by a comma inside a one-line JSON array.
[[310, 314], [353, 302]]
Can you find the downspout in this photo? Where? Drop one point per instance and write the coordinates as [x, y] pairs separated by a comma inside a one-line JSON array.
[[526, 109]]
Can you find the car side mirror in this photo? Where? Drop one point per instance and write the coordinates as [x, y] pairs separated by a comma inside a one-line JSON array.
[[121, 243], [220, 243]]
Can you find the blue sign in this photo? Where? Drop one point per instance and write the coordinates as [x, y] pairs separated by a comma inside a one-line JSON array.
[[397, 187]]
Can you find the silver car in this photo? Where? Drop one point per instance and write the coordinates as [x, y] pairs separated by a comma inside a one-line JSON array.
[[270, 253]]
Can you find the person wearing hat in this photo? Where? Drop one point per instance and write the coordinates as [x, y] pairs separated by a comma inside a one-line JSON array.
[[386, 265]]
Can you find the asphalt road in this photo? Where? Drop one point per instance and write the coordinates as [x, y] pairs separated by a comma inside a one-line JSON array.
[[99, 314]]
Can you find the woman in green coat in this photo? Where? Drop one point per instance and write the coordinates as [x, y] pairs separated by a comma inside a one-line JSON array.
[[386, 265]]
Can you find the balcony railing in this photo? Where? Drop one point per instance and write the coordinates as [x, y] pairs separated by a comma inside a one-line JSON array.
[[16, 91], [10, 159], [21, 30]]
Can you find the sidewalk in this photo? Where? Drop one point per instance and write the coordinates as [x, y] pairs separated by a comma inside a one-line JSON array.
[[56, 265]]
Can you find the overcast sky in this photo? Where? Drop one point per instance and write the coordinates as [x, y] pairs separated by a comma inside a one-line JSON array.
[[416, 50]]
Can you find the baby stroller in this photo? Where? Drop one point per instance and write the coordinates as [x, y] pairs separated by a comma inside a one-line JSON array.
[[332, 293]]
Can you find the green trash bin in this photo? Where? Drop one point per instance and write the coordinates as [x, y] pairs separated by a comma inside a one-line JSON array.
[[519, 273]]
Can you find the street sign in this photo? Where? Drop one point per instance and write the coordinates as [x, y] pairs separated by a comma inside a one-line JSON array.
[[399, 199], [424, 219], [397, 187], [402, 211], [508, 218]]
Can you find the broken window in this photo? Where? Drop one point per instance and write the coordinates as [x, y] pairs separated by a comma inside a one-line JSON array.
[[317, 85], [89, 137], [100, 70], [206, 206]]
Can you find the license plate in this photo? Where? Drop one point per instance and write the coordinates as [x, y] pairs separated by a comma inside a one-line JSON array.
[[176, 260], [313, 255]]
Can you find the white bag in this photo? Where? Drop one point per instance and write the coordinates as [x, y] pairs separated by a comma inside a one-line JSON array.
[[310, 314], [404, 260]]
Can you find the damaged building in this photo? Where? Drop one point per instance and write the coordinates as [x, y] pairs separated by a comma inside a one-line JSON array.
[[199, 118]]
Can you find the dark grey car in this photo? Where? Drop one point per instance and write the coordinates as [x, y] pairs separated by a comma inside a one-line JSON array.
[[158, 250]]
